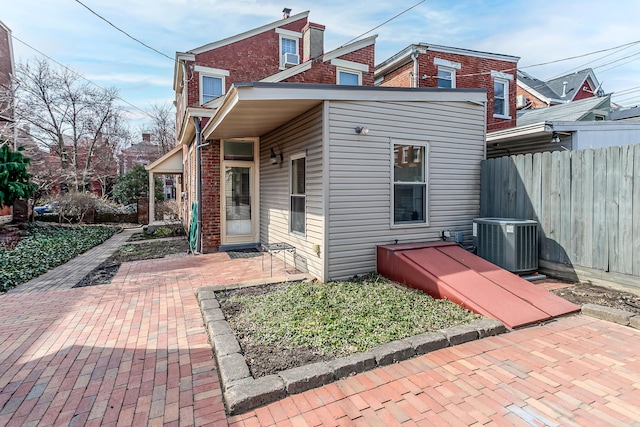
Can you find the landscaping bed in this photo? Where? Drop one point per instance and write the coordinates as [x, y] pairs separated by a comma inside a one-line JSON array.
[[592, 294], [143, 246], [40, 247], [289, 325]]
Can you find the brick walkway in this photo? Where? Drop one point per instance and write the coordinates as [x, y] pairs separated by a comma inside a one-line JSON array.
[[135, 353]]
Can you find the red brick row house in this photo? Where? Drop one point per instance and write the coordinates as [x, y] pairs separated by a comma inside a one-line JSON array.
[[6, 108], [425, 65], [282, 142]]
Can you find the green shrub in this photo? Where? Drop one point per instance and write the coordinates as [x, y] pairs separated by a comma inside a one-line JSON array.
[[45, 247]]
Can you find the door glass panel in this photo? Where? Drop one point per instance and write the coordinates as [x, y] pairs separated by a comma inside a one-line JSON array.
[[238, 200], [238, 150]]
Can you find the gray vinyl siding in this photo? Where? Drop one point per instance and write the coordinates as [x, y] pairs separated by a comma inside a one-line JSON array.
[[360, 173], [301, 134]]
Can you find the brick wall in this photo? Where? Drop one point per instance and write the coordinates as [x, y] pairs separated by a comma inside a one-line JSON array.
[[325, 73], [474, 73], [247, 60], [210, 161]]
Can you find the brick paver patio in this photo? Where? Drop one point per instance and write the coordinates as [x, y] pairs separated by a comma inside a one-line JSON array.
[[135, 353]]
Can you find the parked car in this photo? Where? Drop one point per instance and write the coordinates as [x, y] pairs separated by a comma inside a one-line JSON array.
[[41, 210]]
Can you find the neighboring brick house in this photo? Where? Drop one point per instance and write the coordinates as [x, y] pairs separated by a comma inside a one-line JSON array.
[[288, 50], [142, 153], [425, 65], [6, 108], [535, 93]]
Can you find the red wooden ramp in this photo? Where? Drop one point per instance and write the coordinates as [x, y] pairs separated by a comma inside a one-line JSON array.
[[445, 270]]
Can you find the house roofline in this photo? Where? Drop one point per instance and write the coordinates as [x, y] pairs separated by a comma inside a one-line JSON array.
[[184, 134], [181, 57], [317, 93], [168, 154], [348, 48], [404, 56], [305, 66], [250, 33]]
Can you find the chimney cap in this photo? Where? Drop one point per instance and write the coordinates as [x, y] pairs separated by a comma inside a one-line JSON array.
[[286, 12]]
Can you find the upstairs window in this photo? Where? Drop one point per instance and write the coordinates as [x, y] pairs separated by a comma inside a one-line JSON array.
[[446, 72], [289, 45], [501, 94], [446, 77], [289, 48], [212, 82], [212, 88], [500, 90], [349, 78]]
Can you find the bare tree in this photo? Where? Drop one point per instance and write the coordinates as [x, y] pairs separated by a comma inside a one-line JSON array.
[[163, 127], [67, 116]]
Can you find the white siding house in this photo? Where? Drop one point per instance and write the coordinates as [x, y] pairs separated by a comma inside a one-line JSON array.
[[343, 169]]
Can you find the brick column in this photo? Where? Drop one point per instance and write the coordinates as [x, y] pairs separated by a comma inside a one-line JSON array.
[[210, 163]]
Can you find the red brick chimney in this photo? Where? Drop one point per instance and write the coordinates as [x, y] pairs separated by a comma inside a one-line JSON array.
[[146, 137]]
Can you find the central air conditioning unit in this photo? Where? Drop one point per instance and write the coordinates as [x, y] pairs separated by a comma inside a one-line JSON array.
[[508, 243], [290, 59]]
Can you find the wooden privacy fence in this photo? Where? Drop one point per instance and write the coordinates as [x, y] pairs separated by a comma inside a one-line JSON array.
[[587, 204]]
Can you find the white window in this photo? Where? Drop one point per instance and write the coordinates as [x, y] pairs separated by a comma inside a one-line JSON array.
[[446, 72], [446, 77], [500, 91], [212, 83], [409, 193], [416, 155], [501, 94], [212, 87], [349, 78], [289, 53], [297, 210]]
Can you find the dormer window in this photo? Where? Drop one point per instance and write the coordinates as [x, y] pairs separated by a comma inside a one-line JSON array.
[[289, 52]]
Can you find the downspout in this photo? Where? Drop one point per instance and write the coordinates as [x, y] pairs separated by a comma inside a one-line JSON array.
[[414, 58], [196, 122]]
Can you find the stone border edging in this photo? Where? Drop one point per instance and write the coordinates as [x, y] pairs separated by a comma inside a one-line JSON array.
[[242, 392], [615, 315]]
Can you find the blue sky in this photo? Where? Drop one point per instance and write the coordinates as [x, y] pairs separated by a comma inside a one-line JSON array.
[[537, 31]]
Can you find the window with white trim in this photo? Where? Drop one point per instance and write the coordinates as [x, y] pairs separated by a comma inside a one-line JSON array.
[[211, 87], [348, 77], [288, 45], [446, 77], [501, 94], [500, 97], [409, 192], [298, 208], [446, 72]]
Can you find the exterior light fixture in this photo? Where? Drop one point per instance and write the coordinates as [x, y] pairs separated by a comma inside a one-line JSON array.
[[555, 138], [361, 130], [274, 157]]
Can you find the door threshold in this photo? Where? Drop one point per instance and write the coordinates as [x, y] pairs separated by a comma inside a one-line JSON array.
[[238, 246]]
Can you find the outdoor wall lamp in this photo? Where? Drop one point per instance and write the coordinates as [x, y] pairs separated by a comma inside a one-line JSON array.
[[361, 130], [274, 157], [555, 138]]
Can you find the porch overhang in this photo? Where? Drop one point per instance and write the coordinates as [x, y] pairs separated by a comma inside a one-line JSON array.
[[254, 109], [170, 163]]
